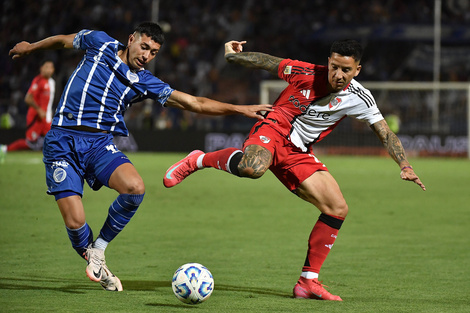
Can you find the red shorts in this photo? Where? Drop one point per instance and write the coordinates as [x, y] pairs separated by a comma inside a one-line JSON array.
[[36, 128], [290, 164]]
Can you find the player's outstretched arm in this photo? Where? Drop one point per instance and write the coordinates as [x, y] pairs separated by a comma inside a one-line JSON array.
[[208, 106], [396, 151], [234, 54], [29, 99], [50, 43]]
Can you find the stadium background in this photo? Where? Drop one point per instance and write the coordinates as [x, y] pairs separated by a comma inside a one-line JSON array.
[[397, 36]]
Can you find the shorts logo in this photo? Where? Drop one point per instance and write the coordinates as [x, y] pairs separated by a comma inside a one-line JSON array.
[[59, 175], [112, 148], [60, 164], [288, 70], [265, 139]]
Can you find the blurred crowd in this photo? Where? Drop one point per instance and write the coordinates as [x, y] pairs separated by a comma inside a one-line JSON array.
[[192, 57]]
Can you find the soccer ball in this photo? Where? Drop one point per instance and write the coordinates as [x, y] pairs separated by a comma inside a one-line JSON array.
[[192, 283]]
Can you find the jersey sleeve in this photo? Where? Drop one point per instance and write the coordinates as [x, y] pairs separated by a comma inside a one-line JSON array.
[[298, 73], [365, 109], [156, 89], [86, 39]]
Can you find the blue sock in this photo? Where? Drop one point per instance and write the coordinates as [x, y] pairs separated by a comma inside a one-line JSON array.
[[119, 214], [81, 238]]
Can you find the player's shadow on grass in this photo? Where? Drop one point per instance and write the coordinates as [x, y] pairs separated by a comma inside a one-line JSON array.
[[145, 285], [253, 290], [78, 287], [32, 283], [136, 285]]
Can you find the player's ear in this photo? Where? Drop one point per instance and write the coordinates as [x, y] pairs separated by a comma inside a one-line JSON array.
[[131, 38], [358, 69]]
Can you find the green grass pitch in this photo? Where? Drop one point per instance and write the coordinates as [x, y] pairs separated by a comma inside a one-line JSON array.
[[400, 249]]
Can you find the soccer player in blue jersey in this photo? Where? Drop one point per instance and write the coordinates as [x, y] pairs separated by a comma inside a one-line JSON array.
[[108, 80]]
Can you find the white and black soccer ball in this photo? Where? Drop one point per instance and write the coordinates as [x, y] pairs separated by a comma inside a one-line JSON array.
[[192, 283]]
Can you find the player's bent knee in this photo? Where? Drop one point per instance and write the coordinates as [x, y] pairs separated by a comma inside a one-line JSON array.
[[342, 210], [250, 172], [135, 187], [73, 223], [338, 209], [335, 209]]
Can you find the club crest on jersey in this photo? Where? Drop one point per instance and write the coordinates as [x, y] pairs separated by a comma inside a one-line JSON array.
[[288, 70], [132, 77], [334, 103], [265, 139]]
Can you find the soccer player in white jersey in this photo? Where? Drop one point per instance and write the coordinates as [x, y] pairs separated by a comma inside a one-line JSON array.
[[317, 98], [110, 77]]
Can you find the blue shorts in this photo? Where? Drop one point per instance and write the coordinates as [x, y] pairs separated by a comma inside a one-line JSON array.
[[72, 156]]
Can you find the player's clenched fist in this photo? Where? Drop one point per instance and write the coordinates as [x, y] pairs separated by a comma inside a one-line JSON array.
[[234, 46]]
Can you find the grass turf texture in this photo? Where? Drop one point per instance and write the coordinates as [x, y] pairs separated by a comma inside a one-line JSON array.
[[400, 249]]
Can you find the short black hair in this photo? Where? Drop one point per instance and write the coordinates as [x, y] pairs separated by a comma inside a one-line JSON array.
[[153, 30], [347, 47], [44, 61]]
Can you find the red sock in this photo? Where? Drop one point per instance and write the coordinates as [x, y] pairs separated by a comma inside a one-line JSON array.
[[19, 144], [220, 159], [321, 241]]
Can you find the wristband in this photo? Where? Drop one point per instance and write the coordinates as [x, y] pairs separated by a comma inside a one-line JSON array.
[[406, 167]]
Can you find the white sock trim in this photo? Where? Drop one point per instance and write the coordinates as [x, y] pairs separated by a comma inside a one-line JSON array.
[[309, 275], [199, 161], [100, 243]]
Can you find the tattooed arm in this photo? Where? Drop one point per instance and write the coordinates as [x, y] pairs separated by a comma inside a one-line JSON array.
[[234, 54], [396, 151]]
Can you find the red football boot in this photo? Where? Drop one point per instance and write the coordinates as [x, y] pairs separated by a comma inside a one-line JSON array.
[[182, 169], [312, 289]]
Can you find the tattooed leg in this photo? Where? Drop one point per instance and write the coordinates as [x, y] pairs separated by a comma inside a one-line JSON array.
[[255, 161]]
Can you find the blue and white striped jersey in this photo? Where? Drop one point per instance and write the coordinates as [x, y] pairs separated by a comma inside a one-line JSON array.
[[102, 87]]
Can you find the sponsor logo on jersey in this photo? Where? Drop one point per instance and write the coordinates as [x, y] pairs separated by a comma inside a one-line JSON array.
[[310, 111], [334, 103], [297, 104], [264, 139], [59, 175], [288, 70]]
